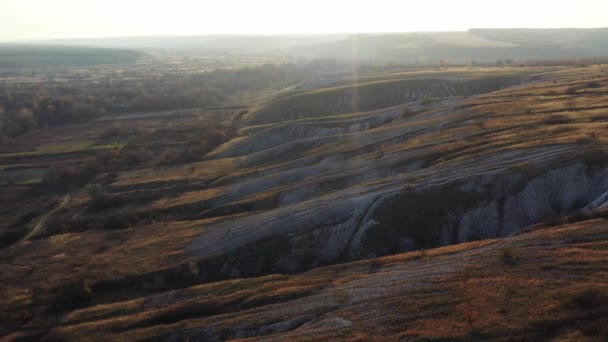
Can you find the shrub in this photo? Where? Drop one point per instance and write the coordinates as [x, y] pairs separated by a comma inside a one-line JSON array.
[[120, 131], [183, 155], [409, 187], [96, 194], [508, 256], [557, 119], [26, 119], [589, 298], [374, 265], [527, 168], [426, 101], [69, 296], [406, 112], [586, 140], [59, 173], [571, 91], [113, 131], [130, 155], [108, 157], [88, 170]]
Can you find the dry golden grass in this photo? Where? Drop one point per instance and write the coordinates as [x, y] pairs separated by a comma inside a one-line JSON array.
[[557, 289], [485, 289]]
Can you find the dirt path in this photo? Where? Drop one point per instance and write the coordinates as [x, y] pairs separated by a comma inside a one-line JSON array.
[[272, 94], [44, 218]]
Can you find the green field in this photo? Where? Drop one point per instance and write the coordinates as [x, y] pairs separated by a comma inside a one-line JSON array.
[[70, 146]]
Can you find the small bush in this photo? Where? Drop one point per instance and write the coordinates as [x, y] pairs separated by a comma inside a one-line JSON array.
[[590, 298], [113, 131], [409, 187], [406, 113], [527, 169], [557, 120], [88, 170], [131, 155], [96, 194], [59, 173], [586, 140], [508, 256], [571, 91], [69, 296], [108, 157], [426, 101], [187, 154], [374, 265]]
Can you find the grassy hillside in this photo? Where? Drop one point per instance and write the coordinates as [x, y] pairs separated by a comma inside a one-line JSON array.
[[373, 94], [33, 56], [480, 216], [546, 284]]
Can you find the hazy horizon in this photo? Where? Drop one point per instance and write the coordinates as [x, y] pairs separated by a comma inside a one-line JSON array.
[[35, 40], [27, 20]]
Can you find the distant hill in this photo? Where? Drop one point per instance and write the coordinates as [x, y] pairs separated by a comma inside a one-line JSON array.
[[34, 56], [481, 45], [214, 44]]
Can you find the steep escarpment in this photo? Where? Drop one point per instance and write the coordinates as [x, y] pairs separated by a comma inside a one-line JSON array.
[[279, 134], [376, 221], [481, 168], [482, 208]]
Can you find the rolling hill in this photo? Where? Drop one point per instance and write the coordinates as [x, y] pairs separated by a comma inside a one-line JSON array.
[[454, 204], [480, 45]]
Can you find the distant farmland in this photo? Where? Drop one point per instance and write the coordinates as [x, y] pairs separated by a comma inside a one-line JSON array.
[[26, 56]]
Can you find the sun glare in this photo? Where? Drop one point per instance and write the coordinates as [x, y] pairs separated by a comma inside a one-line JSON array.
[[33, 19]]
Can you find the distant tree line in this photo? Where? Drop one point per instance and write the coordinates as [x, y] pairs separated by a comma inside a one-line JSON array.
[[25, 106], [574, 62], [31, 56]]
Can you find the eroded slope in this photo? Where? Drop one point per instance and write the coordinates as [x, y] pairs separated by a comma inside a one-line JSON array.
[[306, 191], [549, 283]]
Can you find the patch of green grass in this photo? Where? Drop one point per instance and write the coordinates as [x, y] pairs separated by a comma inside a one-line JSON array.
[[30, 56], [22, 177], [69, 146], [426, 101]]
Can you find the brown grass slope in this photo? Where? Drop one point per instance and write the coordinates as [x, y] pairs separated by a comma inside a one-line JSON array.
[[255, 206], [550, 283]]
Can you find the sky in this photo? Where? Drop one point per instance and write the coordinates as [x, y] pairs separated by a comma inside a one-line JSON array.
[[52, 19]]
